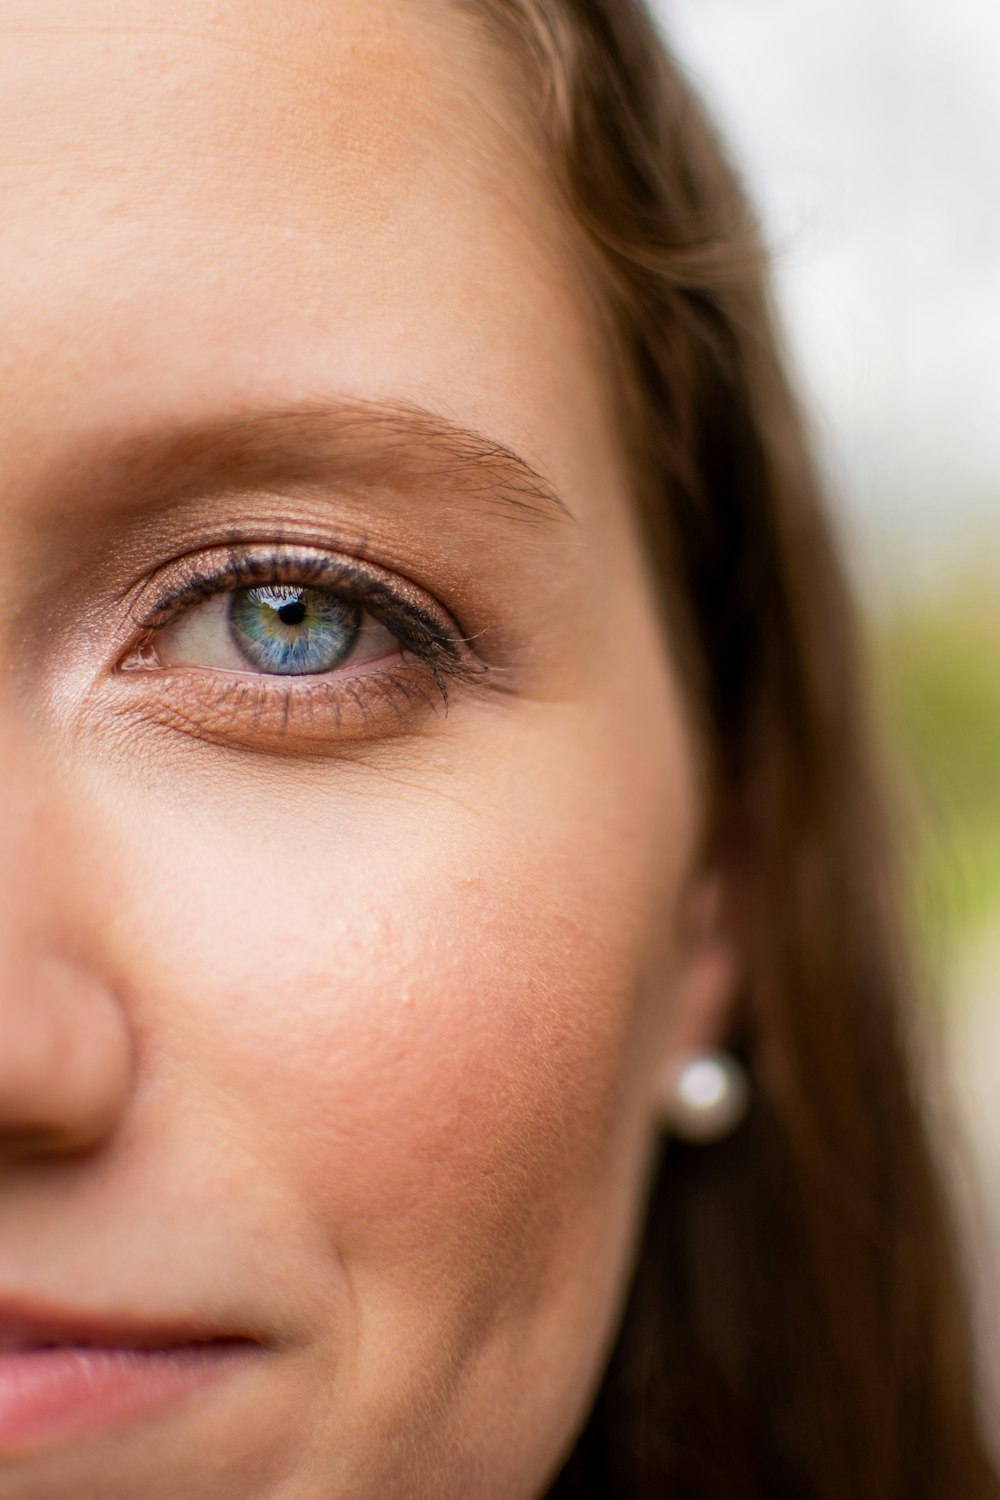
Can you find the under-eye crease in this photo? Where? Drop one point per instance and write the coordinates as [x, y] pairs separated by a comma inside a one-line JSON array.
[[294, 638]]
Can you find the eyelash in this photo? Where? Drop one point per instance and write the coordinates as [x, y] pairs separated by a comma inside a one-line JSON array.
[[438, 654]]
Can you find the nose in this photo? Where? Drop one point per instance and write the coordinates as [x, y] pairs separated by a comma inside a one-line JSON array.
[[65, 1055]]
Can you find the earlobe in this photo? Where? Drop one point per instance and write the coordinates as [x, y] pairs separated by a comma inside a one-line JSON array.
[[701, 1091]]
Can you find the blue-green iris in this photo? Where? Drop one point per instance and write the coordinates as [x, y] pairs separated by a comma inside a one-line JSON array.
[[287, 629]]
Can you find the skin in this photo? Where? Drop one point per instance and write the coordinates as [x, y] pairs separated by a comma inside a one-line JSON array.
[[341, 1030]]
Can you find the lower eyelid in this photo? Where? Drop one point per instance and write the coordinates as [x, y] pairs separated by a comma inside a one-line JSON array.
[[297, 715]]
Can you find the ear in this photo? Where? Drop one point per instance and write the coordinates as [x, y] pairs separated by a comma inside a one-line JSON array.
[[707, 973]]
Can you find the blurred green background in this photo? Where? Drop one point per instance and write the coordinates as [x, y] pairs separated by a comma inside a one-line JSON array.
[[937, 662]]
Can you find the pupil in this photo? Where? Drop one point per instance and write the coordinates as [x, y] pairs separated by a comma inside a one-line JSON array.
[[292, 613]]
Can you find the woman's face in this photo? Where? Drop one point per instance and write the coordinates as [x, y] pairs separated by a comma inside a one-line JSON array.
[[348, 813]]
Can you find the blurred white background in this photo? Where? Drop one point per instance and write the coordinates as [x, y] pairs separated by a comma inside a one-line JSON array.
[[870, 134]]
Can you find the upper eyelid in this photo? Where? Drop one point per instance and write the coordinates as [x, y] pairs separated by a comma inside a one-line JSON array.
[[241, 567]]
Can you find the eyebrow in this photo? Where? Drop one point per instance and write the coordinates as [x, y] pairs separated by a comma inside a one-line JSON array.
[[361, 440]]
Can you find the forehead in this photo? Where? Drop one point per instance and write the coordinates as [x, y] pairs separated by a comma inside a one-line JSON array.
[[125, 91], [252, 199]]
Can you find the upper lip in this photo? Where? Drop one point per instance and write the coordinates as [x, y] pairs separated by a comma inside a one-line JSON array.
[[26, 1326]]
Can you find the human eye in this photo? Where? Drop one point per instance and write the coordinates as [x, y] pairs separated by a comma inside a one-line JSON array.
[[280, 644]]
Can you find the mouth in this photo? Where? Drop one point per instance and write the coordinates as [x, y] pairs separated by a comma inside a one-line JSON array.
[[65, 1375]]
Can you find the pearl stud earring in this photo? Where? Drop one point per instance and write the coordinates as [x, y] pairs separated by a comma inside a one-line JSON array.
[[704, 1096]]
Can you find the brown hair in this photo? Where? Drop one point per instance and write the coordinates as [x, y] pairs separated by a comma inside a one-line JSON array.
[[796, 1327]]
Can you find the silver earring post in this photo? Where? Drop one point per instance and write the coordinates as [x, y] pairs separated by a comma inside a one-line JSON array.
[[704, 1097]]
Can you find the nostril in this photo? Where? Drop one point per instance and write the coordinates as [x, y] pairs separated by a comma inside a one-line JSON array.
[[65, 1058]]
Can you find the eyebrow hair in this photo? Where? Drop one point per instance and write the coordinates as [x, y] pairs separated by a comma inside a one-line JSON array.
[[368, 441]]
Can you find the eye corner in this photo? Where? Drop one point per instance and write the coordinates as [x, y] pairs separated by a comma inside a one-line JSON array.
[[140, 656]]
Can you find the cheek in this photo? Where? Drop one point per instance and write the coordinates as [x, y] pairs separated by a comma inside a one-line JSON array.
[[422, 1017], [430, 1041], [448, 1103]]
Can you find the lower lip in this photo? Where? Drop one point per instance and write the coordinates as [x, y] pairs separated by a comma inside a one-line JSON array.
[[49, 1395]]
